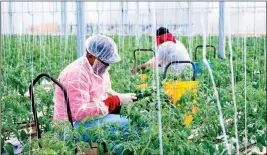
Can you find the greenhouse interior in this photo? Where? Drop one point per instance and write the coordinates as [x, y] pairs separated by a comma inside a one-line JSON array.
[[133, 78]]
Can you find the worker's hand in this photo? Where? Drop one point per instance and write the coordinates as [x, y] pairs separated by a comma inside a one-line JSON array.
[[126, 98], [27, 94], [133, 71]]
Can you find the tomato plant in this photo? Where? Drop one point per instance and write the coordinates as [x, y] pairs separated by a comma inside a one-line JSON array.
[[23, 60]]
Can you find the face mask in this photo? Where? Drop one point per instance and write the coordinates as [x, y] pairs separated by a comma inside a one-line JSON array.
[[99, 68]]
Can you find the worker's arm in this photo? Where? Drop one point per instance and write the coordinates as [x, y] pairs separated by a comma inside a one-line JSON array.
[[145, 65], [112, 92], [83, 105]]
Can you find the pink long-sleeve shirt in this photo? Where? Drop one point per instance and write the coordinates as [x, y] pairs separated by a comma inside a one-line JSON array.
[[86, 91]]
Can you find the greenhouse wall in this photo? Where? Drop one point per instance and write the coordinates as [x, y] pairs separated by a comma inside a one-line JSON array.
[[44, 17]]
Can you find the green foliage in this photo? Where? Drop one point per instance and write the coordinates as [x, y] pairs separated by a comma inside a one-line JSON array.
[[24, 57]]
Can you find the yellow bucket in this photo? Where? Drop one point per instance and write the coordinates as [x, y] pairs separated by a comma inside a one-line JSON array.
[[176, 89]]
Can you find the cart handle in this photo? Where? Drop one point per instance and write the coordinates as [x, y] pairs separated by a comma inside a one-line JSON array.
[[33, 104], [179, 62], [201, 46], [141, 49]]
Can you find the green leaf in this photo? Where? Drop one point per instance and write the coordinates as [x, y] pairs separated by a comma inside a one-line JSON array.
[[211, 149], [261, 139], [23, 135], [4, 128], [26, 147], [16, 132], [100, 149], [9, 148], [47, 151], [260, 146], [2, 143], [109, 147]]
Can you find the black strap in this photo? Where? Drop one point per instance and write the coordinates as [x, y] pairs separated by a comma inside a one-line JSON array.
[[179, 62], [33, 104], [201, 46]]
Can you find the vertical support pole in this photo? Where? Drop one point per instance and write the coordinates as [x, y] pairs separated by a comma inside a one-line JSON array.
[[137, 23], [125, 15], [98, 18], [190, 28], [1, 78], [148, 23], [221, 31], [154, 24], [10, 17], [238, 19], [122, 24], [254, 19], [264, 55], [71, 28], [80, 28], [64, 20]]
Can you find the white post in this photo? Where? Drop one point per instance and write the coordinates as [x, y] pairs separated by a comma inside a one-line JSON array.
[[64, 20], [254, 19], [154, 24], [221, 31], [264, 56], [122, 22], [10, 17], [149, 19], [125, 11], [98, 18], [80, 28], [190, 28], [137, 23]]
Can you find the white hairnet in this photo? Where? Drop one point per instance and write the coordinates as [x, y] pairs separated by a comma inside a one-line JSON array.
[[103, 48], [169, 52]]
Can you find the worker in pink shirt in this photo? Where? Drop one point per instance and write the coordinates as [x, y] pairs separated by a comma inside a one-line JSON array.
[[88, 85]]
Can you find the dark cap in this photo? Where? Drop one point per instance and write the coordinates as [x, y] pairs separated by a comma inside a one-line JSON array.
[[162, 30]]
